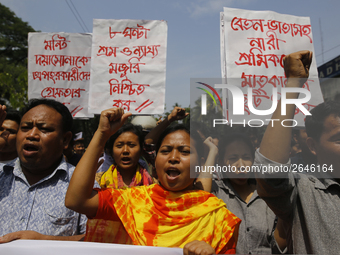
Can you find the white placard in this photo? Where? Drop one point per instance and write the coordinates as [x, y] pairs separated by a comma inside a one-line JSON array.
[[128, 65], [43, 247], [59, 67], [255, 45]]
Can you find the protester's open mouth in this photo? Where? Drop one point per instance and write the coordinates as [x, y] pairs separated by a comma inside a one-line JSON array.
[[30, 150], [173, 174], [126, 160], [30, 147]]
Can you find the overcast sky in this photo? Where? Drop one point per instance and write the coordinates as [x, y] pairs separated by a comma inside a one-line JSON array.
[[193, 28]]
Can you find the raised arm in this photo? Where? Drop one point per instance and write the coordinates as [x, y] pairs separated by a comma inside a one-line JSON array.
[[204, 180], [177, 113], [80, 196], [275, 144]]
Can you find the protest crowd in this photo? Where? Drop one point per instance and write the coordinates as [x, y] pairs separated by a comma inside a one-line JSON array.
[[172, 182], [133, 184]]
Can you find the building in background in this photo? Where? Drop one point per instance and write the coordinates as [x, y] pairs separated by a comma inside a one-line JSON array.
[[329, 74]]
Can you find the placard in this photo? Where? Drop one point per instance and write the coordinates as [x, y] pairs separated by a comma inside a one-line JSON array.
[[253, 47], [128, 65], [59, 67], [43, 247]]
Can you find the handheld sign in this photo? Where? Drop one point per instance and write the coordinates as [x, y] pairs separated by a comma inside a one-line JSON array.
[[128, 65], [59, 68], [253, 46]]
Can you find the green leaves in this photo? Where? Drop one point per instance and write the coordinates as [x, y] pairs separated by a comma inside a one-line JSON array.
[[13, 57]]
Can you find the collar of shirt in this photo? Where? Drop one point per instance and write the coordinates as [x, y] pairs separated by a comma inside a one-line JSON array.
[[324, 182], [62, 167], [8, 163], [226, 185]]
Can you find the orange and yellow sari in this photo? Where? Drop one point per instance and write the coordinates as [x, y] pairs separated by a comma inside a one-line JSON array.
[[150, 215], [112, 178]]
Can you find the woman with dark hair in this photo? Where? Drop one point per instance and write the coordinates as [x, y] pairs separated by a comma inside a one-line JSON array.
[[237, 189], [125, 147], [170, 214]]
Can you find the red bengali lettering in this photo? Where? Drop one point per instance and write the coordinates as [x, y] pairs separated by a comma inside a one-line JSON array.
[[61, 60], [309, 107], [246, 24], [51, 92], [144, 105], [258, 59], [125, 104], [76, 110], [241, 24], [257, 43], [57, 42], [273, 41], [113, 34], [126, 51], [117, 87], [260, 81], [141, 51], [107, 51], [73, 75], [138, 32], [123, 68], [36, 75], [258, 95], [292, 28], [254, 81]]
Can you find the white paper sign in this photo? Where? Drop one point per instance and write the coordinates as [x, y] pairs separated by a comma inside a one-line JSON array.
[[42, 247], [255, 45], [128, 65], [59, 67]]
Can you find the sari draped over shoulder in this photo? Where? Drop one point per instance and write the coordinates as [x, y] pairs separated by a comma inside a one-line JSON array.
[[107, 231], [113, 179], [154, 216]]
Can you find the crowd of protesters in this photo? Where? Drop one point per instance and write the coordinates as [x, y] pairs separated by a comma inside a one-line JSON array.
[[133, 184]]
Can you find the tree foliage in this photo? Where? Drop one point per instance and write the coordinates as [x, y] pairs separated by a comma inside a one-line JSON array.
[[13, 58], [13, 37]]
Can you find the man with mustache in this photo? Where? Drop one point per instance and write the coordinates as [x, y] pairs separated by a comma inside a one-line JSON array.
[[32, 192]]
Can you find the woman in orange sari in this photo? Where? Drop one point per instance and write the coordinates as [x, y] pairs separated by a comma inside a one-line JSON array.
[[125, 147], [170, 214]]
